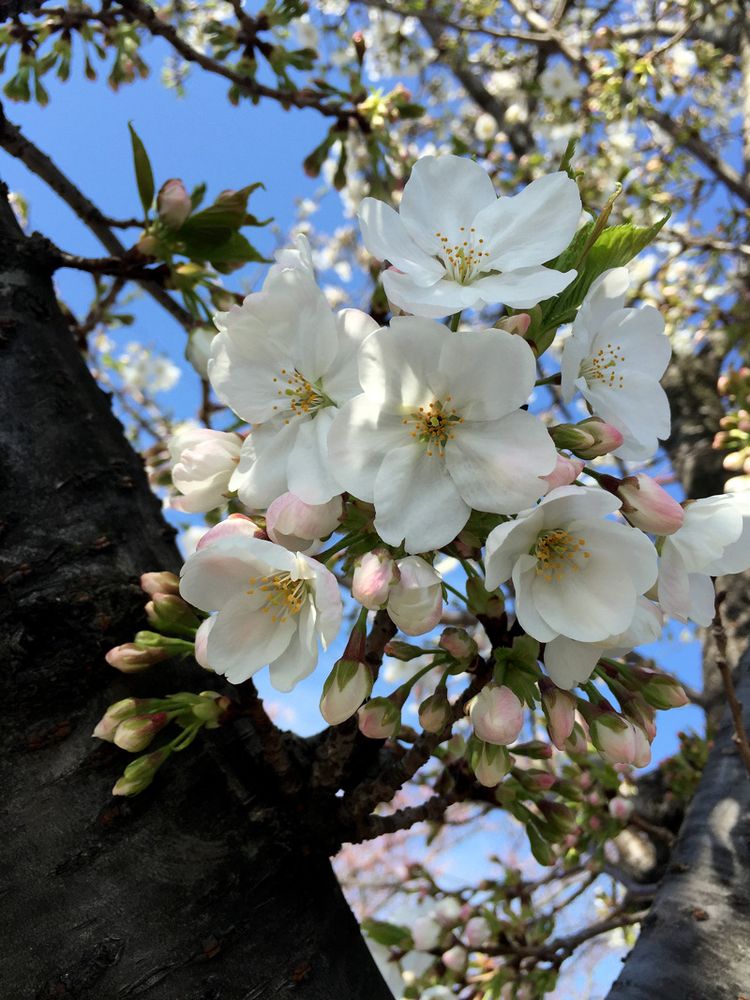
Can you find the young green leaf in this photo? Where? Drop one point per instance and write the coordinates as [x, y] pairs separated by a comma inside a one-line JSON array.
[[143, 173]]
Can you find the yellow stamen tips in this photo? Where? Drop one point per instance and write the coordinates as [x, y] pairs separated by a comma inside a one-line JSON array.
[[556, 552], [434, 425], [283, 596], [603, 367], [301, 396], [463, 260]]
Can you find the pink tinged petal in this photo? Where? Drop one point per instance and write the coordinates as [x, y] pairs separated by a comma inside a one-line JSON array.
[[533, 226], [244, 640], [327, 602], [261, 475], [441, 299], [569, 662], [309, 473], [576, 503], [523, 288], [300, 657], [359, 439], [444, 193], [234, 526], [416, 501], [497, 464], [491, 373], [201, 642], [385, 237], [524, 577], [505, 544], [341, 381]]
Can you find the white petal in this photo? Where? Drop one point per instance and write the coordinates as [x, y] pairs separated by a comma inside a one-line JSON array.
[[213, 575], [569, 662], [396, 362], [416, 500], [439, 299], [606, 295], [327, 602], [341, 381], [386, 237], [359, 439], [702, 599], [673, 586], [527, 613], [490, 372], [243, 641], [505, 544], [533, 226], [444, 193], [523, 288], [497, 464], [575, 503], [711, 524], [261, 475], [300, 657], [633, 552], [308, 467]]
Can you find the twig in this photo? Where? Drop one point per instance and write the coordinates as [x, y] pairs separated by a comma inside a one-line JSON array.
[[735, 706]]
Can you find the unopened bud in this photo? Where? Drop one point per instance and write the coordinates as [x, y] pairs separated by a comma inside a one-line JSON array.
[[496, 715], [489, 762], [664, 692], [587, 439], [415, 603], [173, 203], [375, 573], [379, 719], [435, 712], [642, 751], [148, 245], [448, 911], [170, 613], [559, 708], [459, 644], [577, 742], [136, 733], [614, 738], [559, 817], [620, 808], [540, 846], [535, 780], [345, 688], [518, 324], [478, 932], [132, 659], [455, 958], [403, 651], [649, 507], [565, 472], [160, 583], [300, 526], [140, 772], [115, 714], [358, 40]]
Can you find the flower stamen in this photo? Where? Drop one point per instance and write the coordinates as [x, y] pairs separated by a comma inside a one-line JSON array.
[[283, 595], [434, 425], [556, 552], [602, 367]]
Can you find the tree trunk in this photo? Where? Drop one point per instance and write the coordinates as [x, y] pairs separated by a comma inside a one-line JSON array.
[[203, 887]]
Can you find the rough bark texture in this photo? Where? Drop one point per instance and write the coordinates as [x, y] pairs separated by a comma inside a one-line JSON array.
[[202, 887], [694, 943]]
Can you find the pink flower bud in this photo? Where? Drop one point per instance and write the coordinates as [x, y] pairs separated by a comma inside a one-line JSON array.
[[115, 714], [478, 932], [642, 751], [496, 715], [614, 738], [565, 472], [132, 659], [620, 808], [577, 742], [415, 603], [379, 719], [455, 958], [300, 526], [537, 781], [203, 461], [518, 324], [606, 438], [170, 614], [649, 507], [662, 691], [201, 643], [458, 643], [426, 933], [346, 687], [435, 712], [173, 203], [375, 574], [136, 733], [148, 245], [234, 526], [160, 583], [403, 651], [560, 710], [489, 763]]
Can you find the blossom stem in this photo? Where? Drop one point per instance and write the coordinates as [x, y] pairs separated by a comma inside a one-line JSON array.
[[554, 379], [455, 320], [336, 547], [458, 593]]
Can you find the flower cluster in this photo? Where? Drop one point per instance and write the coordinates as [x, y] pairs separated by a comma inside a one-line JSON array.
[[375, 452]]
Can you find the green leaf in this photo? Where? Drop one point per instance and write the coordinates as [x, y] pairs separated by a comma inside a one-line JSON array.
[[143, 173], [614, 247], [389, 935], [226, 250], [228, 212]]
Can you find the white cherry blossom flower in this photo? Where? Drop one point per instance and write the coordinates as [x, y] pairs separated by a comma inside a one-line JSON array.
[[569, 662], [713, 540], [203, 463], [272, 607], [454, 244], [575, 574], [284, 361], [615, 358], [438, 431], [559, 83]]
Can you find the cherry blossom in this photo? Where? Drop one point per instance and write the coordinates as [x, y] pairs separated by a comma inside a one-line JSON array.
[[454, 244], [438, 430], [203, 463]]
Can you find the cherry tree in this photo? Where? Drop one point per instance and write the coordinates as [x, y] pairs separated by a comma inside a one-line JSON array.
[[478, 436]]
